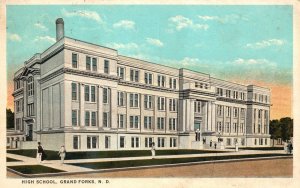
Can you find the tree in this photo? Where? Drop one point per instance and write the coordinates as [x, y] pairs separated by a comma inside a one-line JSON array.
[[10, 116], [282, 128]]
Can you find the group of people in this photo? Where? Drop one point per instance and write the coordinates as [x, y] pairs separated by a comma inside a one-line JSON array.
[[42, 156], [288, 147]]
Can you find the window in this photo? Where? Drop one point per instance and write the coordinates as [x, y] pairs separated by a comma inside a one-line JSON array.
[[19, 105], [93, 119], [255, 141], [92, 142], [106, 66], [121, 72], [228, 141], [242, 127], [172, 83], [30, 86], [107, 142], [173, 105], [134, 100], [259, 128], [121, 121], [74, 118], [105, 95], [122, 141], [228, 93], [105, 119], [86, 93], [243, 141], [74, 91], [160, 123], [74, 60], [18, 84], [148, 101], [228, 109], [93, 94], [172, 124], [94, 64], [219, 110], [148, 142], [134, 122], [148, 78], [198, 106], [161, 103], [19, 124], [227, 127], [147, 122], [219, 126], [235, 127], [242, 112], [135, 142], [161, 81], [235, 112], [30, 109], [259, 114], [173, 142], [88, 63], [242, 96], [160, 142], [266, 141], [121, 98], [76, 142], [220, 92], [235, 94], [87, 118], [134, 75]]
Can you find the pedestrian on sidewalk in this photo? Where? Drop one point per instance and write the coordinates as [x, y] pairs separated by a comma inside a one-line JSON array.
[[236, 146], [41, 155], [210, 143], [153, 150], [62, 154], [215, 145]]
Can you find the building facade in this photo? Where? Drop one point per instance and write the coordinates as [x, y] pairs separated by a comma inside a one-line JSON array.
[[88, 97]]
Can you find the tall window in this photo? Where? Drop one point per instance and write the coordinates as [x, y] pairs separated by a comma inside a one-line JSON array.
[[93, 94], [94, 64], [160, 123], [147, 122], [134, 122], [30, 109], [160, 142], [76, 142], [105, 119], [134, 100], [219, 91], [87, 93], [172, 83], [228, 92], [121, 98], [242, 112], [87, 118], [88, 63], [122, 141], [134, 75], [148, 78], [93, 119], [135, 142], [235, 112], [228, 111], [74, 118], [227, 130], [242, 127], [172, 105], [173, 142], [219, 110], [172, 124], [74, 60], [121, 72], [92, 142], [148, 142], [30, 86], [107, 142], [105, 95], [161, 81], [198, 106], [106, 66], [148, 101], [121, 121], [74, 91], [161, 103], [219, 126]]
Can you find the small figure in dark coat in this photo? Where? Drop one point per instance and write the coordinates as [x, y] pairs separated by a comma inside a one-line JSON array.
[[41, 155], [210, 143], [215, 145]]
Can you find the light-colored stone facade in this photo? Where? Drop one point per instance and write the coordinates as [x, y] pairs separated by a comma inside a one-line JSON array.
[[88, 97]]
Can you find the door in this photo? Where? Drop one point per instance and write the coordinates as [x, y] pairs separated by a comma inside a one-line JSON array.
[[29, 136]]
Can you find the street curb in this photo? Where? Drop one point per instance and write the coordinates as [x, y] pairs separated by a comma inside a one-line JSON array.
[[145, 167]]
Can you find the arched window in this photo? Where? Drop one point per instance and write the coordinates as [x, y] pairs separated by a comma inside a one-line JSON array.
[[30, 86]]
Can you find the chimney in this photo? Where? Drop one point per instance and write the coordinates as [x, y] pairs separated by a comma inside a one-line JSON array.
[[60, 31]]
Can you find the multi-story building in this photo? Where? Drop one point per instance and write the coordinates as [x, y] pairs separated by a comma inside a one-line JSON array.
[[88, 97]]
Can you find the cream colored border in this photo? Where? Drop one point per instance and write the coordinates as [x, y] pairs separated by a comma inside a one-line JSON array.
[[164, 182]]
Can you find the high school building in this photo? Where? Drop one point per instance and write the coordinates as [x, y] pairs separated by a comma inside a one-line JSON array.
[[88, 97]]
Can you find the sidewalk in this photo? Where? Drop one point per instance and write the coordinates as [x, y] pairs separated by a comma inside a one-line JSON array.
[[73, 169]]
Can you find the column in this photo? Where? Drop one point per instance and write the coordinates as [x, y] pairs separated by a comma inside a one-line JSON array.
[[51, 107], [187, 115], [213, 116], [192, 114], [81, 105], [209, 118], [100, 106], [67, 104], [113, 108]]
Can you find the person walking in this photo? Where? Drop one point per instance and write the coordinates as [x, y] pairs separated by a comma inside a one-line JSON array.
[[210, 143], [62, 154], [41, 155], [215, 145], [153, 150], [236, 146]]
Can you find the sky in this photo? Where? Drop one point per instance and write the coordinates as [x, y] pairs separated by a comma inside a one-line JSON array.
[[243, 44]]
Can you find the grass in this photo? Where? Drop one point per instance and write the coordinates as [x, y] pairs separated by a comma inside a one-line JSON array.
[[52, 155], [8, 159], [263, 148], [34, 169], [149, 162]]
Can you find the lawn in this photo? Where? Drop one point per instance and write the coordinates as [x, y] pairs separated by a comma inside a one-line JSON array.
[[52, 155], [263, 148], [34, 169], [8, 159], [149, 162]]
